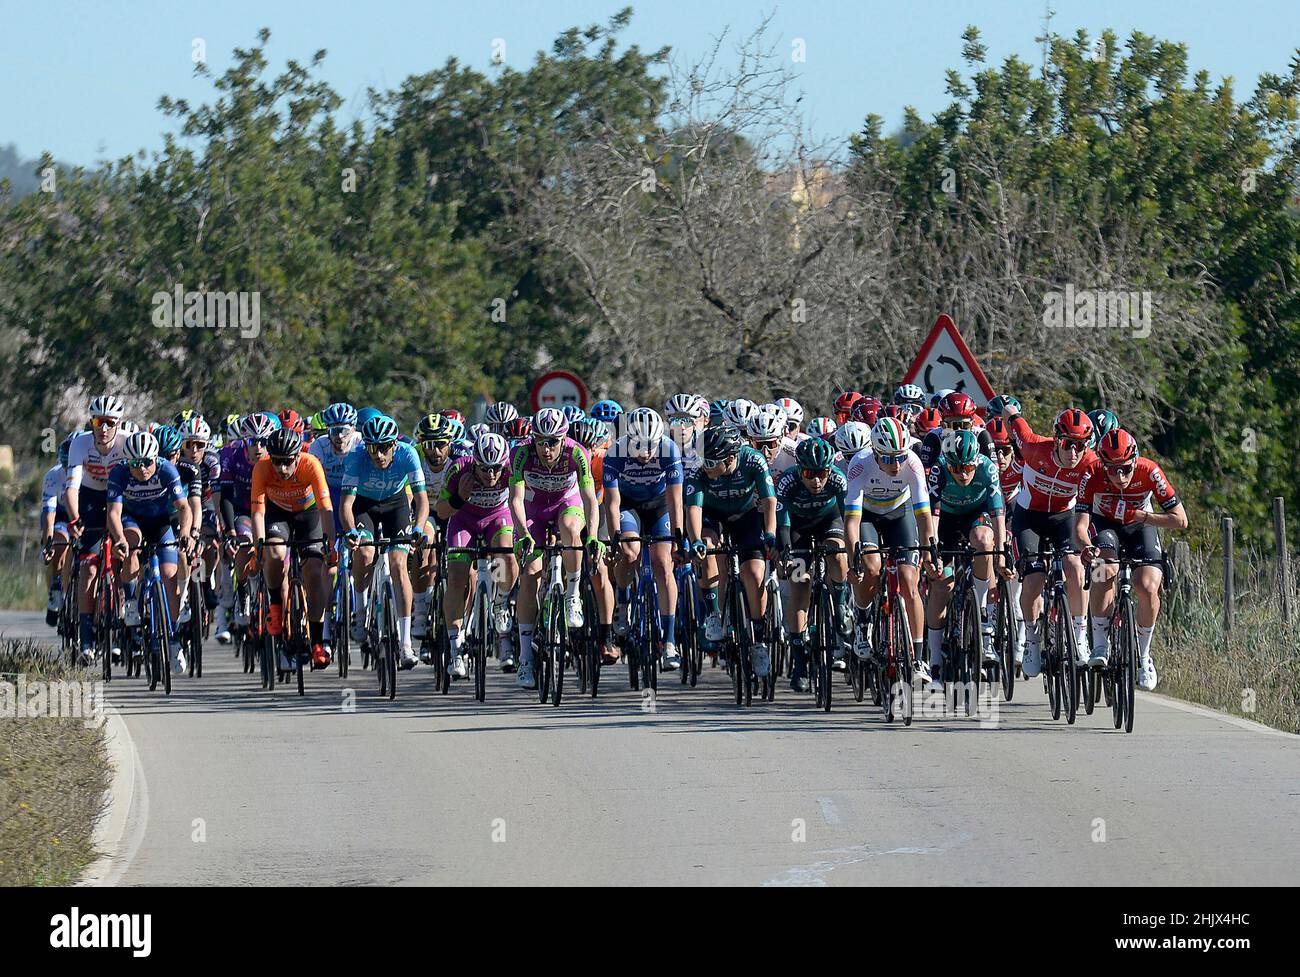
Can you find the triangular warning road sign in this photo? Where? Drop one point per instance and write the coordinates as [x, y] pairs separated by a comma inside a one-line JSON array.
[[945, 361]]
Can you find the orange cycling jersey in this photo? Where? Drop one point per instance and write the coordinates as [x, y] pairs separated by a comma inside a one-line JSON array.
[[301, 490]]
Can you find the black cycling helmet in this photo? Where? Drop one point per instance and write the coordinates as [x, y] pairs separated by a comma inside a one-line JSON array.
[[284, 443], [720, 443]]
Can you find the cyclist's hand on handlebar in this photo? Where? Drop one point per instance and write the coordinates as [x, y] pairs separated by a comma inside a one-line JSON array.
[[525, 547], [595, 547], [700, 549], [352, 538], [121, 550]]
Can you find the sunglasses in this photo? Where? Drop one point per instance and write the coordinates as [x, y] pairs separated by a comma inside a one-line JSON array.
[[283, 462], [380, 449], [489, 469], [1120, 470], [680, 420], [140, 462], [1072, 444], [1003, 449], [435, 445], [104, 421], [766, 445], [958, 423], [892, 459], [815, 472], [258, 442], [200, 445], [339, 430], [717, 462], [962, 469], [546, 442]]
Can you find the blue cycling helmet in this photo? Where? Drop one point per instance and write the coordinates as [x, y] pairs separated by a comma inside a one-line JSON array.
[[338, 414], [169, 441], [606, 410], [572, 412], [367, 414], [380, 429]]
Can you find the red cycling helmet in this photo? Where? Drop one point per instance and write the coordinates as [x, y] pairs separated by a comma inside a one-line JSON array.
[[454, 414], [998, 430], [866, 410], [928, 420], [520, 427], [1117, 447], [292, 421], [844, 405], [957, 405], [899, 413], [1073, 424]]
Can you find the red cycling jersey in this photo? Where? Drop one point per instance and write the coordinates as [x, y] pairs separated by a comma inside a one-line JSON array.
[[1100, 497], [1045, 486], [1009, 479]]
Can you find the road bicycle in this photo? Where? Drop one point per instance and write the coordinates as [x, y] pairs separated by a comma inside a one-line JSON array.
[[823, 629], [382, 646], [891, 634], [339, 612], [192, 633], [643, 643], [689, 645], [155, 628], [1119, 674], [737, 624], [1056, 634], [479, 629], [553, 642], [293, 644], [963, 630]]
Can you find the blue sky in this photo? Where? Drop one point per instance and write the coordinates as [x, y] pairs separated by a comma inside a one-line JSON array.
[[82, 79]]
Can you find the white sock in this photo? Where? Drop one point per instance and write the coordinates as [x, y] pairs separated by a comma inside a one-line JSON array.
[[573, 580], [982, 594], [936, 647], [453, 636], [1144, 641], [1080, 629], [525, 644], [363, 598], [1100, 625], [404, 630], [1031, 632]]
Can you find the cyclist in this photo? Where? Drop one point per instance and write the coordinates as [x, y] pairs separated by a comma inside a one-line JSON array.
[[688, 416], [92, 455], [499, 415], [732, 490], [847, 442], [1052, 470], [844, 406], [288, 497], [822, 427], [928, 421], [474, 502], [1119, 499], [810, 510], [550, 484], [1008, 462], [143, 491], [888, 502], [794, 416], [192, 479], [866, 410], [966, 499], [197, 456], [594, 436], [958, 413], [911, 399], [234, 490], [376, 504], [765, 432], [433, 437], [738, 412], [642, 477], [718, 412], [54, 528], [1103, 422], [341, 440]]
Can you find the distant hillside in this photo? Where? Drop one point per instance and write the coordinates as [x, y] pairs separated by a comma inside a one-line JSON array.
[[20, 172]]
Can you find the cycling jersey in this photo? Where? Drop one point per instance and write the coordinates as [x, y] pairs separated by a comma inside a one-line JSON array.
[[303, 489], [734, 493], [874, 491], [364, 478], [1148, 484], [983, 494], [335, 462], [1045, 485], [88, 467], [434, 480], [483, 499], [236, 483], [193, 477], [637, 481], [930, 450], [798, 505], [152, 500], [52, 492], [785, 458], [1010, 480], [543, 486]]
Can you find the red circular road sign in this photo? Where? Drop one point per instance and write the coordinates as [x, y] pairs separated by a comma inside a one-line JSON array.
[[557, 388]]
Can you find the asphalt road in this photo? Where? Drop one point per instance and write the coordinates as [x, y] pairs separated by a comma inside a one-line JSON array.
[[246, 787]]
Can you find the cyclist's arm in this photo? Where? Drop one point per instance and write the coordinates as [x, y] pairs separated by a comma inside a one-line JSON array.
[[113, 521], [421, 507], [185, 516], [613, 505], [1083, 518], [1175, 518], [346, 519], [675, 508], [767, 505], [517, 508]]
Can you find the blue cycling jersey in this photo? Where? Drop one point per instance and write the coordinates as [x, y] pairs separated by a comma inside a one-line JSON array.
[[364, 478], [152, 500], [639, 481]]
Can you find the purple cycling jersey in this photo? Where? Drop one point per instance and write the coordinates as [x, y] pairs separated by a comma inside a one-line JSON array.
[[236, 481], [545, 487], [479, 500]]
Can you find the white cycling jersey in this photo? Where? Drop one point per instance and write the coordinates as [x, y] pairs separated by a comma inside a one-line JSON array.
[[88, 467], [334, 462], [435, 480], [52, 488], [785, 458], [874, 491]]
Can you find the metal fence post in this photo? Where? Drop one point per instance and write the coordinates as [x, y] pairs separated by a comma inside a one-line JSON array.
[[1283, 567], [1228, 594]]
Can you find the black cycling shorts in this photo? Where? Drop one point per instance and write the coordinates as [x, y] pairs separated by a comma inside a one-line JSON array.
[[892, 529], [383, 518], [1138, 541], [289, 526], [1032, 528]]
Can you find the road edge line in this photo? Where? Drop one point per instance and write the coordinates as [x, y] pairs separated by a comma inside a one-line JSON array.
[[126, 794], [1196, 709]]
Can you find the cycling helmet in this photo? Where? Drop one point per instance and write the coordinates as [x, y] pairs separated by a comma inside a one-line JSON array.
[[910, 394], [957, 406], [699, 407], [739, 411], [589, 432], [606, 410], [814, 454], [107, 406], [852, 437], [1117, 447], [337, 415], [573, 412], [452, 414], [1074, 424], [434, 427], [154, 427], [490, 450], [889, 437], [169, 441], [256, 427], [550, 423], [195, 429], [500, 413], [960, 448], [898, 412], [141, 448], [721, 443], [1103, 422], [645, 429], [284, 443], [65, 445], [821, 427], [718, 412], [792, 408], [844, 405], [764, 424], [128, 428], [475, 430], [293, 421], [457, 427], [182, 416], [936, 398], [866, 410], [233, 424], [366, 414], [379, 430], [317, 423], [519, 428], [1000, 403], [998, 430], [677, 405], [928, 420]]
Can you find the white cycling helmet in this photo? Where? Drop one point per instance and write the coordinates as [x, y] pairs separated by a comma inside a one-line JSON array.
[[472, 435], [490, 450], [792, 408], [700, 406], [195, 429], [739, 411], [128, 428], [821, 427], [910, 394], [550, 423], [852, 437], [500, 413], [890, 437], [107, 406], [767, 422], [938, 395], [645, 429], [256, 426], [141, 449], [679, 404]]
